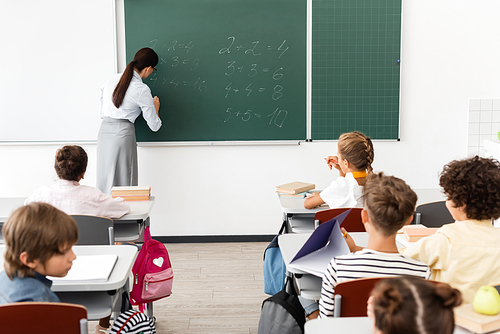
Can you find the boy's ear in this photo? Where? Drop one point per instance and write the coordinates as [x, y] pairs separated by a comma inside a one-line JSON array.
[[409, 220], [24, 260], [364, 216]]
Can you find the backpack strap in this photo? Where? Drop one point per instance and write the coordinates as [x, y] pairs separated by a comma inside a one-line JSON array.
[[283, 227], [147, 234], [290, 302], [126, 321]]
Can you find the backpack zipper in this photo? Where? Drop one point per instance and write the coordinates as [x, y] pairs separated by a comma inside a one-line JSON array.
[[163, 280]]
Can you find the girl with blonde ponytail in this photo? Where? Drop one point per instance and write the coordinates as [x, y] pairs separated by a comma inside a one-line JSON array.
[[354, 162], [412, 305], [123, 98]]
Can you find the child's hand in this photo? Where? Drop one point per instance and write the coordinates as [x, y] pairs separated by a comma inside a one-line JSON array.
[[350, 241], [332, 161]]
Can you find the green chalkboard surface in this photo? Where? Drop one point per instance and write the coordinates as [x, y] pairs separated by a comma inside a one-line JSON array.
[[228, 70], [355, 68]]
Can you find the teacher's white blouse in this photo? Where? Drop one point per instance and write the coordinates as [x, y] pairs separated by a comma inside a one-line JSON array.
[[137, 99], [75, 199], [344, 192]]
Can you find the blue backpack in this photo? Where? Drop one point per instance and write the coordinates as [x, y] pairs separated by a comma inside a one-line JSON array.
[[274, 267]]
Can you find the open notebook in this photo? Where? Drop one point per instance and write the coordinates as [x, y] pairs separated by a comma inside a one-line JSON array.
[[95, 268]]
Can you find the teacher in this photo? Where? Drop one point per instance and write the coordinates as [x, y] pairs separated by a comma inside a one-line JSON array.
[[123, 98]]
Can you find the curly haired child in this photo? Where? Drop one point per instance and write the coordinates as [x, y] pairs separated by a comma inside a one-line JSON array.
[[465, 253]]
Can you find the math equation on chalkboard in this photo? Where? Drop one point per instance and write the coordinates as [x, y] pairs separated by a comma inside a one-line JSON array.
[[237, 80]]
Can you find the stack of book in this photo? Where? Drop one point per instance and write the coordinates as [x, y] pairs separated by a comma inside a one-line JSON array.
[[295, 188], [466, 317], [413, 234], [132, 193]]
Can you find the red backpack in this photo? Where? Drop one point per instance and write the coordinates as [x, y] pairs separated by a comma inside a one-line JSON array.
[[153, 275]]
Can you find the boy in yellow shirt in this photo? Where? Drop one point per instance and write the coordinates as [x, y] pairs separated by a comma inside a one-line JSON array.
[[466, 254]]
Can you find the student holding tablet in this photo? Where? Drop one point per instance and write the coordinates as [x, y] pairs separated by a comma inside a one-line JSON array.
[[123, 98]]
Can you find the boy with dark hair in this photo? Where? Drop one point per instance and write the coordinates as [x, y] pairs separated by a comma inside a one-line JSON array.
[[465, 254], [38, 239]]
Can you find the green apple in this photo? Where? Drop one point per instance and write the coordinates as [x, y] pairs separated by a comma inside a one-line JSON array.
[[487, 300]]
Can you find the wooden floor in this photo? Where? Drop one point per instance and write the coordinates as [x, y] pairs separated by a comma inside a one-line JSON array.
[[218, 288]]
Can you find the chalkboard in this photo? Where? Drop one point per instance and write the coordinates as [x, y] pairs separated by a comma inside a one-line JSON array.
[[355, 68], [228, 70]]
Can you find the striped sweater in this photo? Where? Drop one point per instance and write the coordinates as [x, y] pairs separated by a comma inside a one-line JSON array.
[[363, 264]]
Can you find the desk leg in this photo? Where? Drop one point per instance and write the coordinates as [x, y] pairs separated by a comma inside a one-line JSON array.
[[145, 223], [288, 225], [149, 310]]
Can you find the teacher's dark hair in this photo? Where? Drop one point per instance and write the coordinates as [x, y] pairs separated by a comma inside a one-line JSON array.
[[71, 162], [145, 57]]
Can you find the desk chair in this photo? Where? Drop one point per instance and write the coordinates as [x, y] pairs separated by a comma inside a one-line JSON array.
[[94, 230], [351, 297], [433, 214], [352, 223], [43, 318]]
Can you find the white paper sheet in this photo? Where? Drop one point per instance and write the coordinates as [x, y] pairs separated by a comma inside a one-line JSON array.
[[96, 268]]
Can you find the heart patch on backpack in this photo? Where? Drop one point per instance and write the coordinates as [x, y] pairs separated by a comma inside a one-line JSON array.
[[158, 261]]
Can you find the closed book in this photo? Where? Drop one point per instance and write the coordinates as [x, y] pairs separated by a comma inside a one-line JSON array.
[[299, 195], [414, 234], [466, 317], [129, 198], [131, 190], [294, 187]]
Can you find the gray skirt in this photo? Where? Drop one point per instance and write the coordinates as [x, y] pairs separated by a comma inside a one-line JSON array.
[[116, 154]]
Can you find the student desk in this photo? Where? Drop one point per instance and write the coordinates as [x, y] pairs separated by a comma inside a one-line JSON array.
[[299, 219], [351, 325], [100, 298], [128, 228], [308, 285], [131, 226]]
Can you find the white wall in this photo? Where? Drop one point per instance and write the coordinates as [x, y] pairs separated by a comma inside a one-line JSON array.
[[450, 54]]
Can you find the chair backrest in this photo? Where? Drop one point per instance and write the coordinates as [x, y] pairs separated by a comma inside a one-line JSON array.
[[352, 223], [43, 318], [433, 214], [351, 297], [94, 230]]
